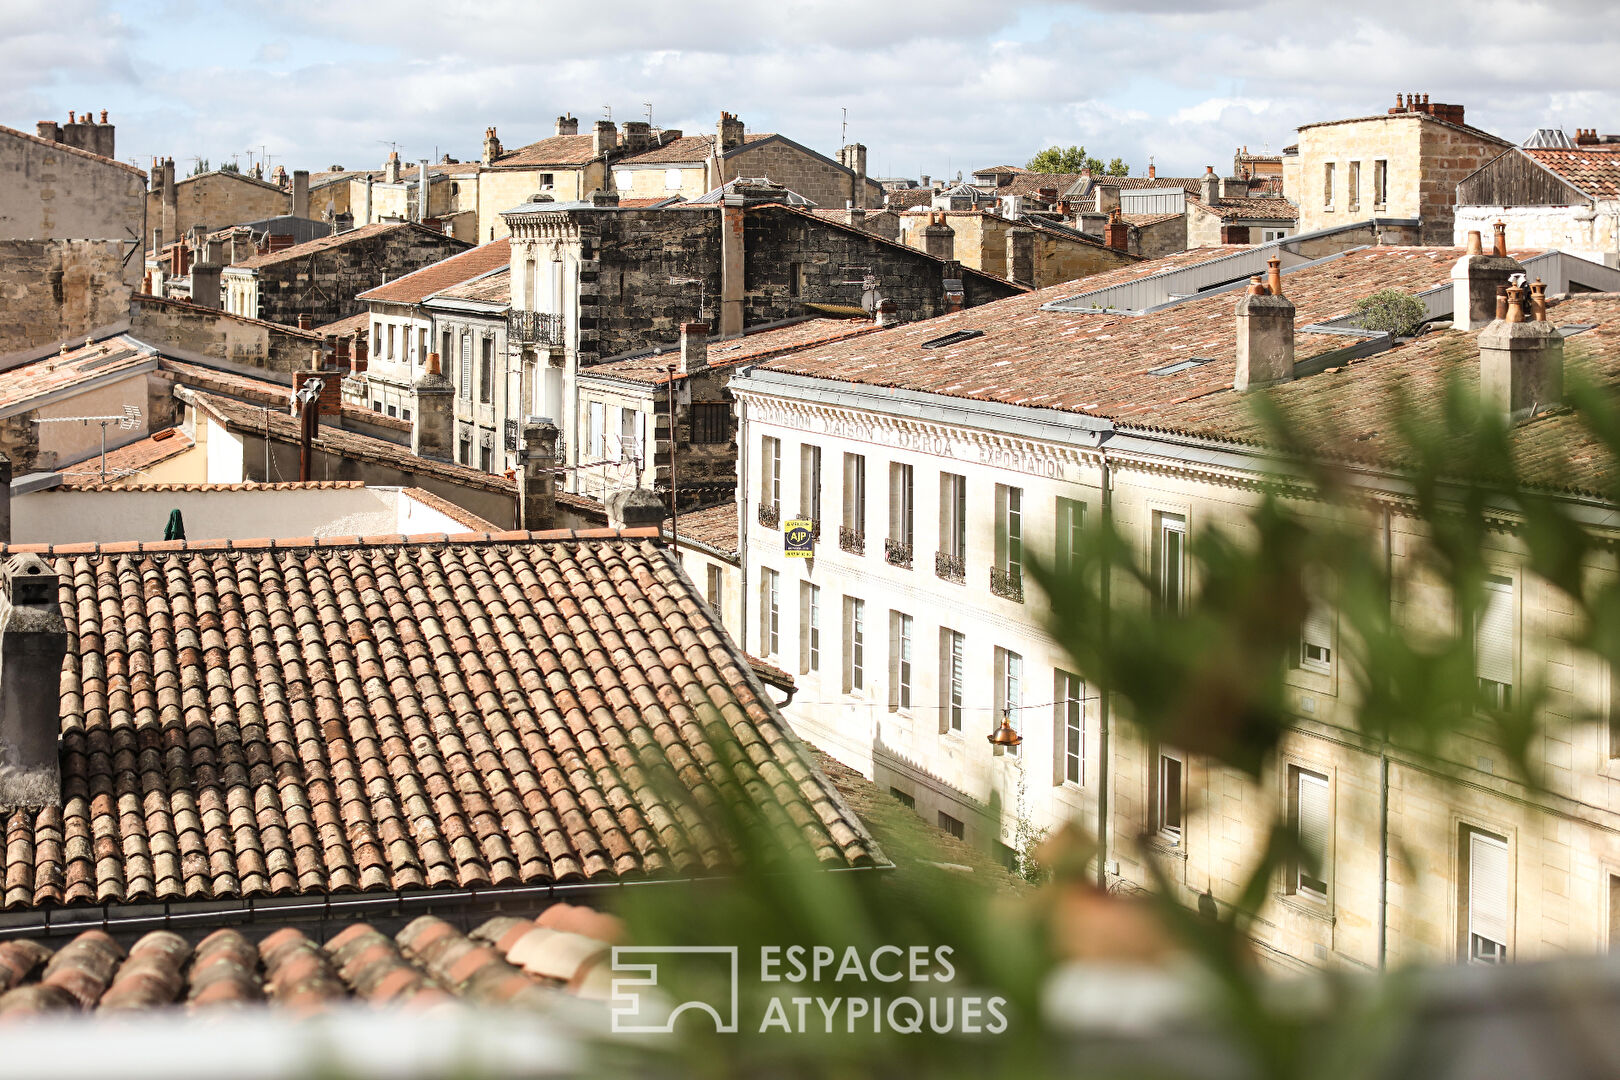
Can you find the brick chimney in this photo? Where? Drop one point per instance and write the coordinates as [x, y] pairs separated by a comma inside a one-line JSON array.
[[1521, 360], [694, 347], [728, 133], [492, 146], [33, 642], [636, 508], [536, 475], [566, 125], [1117, 233], [300, 193], [1475, 279], [887, 315], [1209, 186], [1021, 255], [1153, 172], [939, 239], [604, 139], [391, 168], [636, 136], [1265, 332], [432, 413]]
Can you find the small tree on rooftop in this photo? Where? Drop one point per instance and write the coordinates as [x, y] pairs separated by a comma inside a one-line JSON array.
[[1075, 159], [1392, 311]]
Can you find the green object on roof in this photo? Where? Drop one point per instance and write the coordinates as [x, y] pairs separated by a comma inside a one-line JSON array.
[[176, 528]]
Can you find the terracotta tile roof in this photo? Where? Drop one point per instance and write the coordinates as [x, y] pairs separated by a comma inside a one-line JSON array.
[[688, 148], [59, 371], [1030, 183], [418, 285], [133, 458], [902, 200], [451, 510], [280, 485], [1142, 221], [1595, 172], [715, 527], [66, 149], [261, 392], [505, 962], [495, 287], [226, 316], [313, 717], [642, 204], [326, 243], [1098, 362], [355, 324], [753, 346], [553, 150], [1252, 209]]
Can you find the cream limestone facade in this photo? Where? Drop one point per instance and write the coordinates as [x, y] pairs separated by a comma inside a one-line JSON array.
[[1589, 231], [903, 672], [687, 180], [500, 188]]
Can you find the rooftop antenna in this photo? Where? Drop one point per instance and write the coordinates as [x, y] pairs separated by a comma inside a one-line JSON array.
[[607, 112], [126, 421], [648, 106], [843, 132]]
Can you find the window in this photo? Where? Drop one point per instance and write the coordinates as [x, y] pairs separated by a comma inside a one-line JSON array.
[[770, 472], [1380, 184], [486, 458], [1614, 912], [956, 337], [899, 661], [466, 368], [545, 180], [1310, 817], [486, 370], [1268, 235], [1009, 582], [1170, 562], [795, 279], [952, 647], [1484, 897], [422, 345], [1352, 181], [630, 427], [1316, 639], [672, 179], [1009, 690], [392, 410], [404, 414], [951, 561], [1167, 797], [905, 800], [444, 353], [770, 616], [465, 457], [595, 432], [1068, 714], [1327, 186], [377, 339], [854, 645], [391, 329], [901, 499], [1493, 643], [810, 482], [1070, 521], [809, 628], [853, 537], [713, 594], [376, 406], [952, 825], [711, 423]]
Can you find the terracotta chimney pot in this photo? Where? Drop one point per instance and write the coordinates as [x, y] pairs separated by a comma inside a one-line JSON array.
[[1515, 304], [1274, 275], [1476, 246], [1499, 244]]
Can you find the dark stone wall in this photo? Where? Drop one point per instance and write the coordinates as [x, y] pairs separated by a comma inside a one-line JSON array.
[[324, 283]]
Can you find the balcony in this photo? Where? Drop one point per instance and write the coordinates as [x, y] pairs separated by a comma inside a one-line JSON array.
[[897, 553], [534, 328], [950, 567], [851, 540], [770, 515], [1008, 584]]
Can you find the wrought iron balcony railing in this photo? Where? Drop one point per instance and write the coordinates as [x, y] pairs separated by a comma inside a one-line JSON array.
[[897, 553], [770, 515], [950, 567], [534, 328], [1008, 584], [851, 540]]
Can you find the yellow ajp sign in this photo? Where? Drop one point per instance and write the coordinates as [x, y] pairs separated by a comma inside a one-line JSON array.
[[799, 539]]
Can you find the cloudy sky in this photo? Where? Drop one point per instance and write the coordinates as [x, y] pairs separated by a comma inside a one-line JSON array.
[[930, 87]]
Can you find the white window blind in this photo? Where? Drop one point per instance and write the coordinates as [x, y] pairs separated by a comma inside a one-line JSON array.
[[1314, 825], [1493, 636], [1316, 638], [1487, 888], [1070, 521]]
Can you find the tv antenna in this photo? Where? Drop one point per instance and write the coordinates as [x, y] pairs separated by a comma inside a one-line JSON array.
[[648, 106], [126, 421], [843, 132], [607, 112]]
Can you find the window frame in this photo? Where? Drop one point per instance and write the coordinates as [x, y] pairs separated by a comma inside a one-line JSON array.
[[810, 482], [1328, 181], [952, 680], [855, 492], [1166, 523], [770, 612], [902, 647], [1164, 786], [854, 646], [1474, 930], [1071, 520], [1009, 699], [1497, 693], [902, 502], [809, 627], [1068, 729], [770, 473], [1301, 779]]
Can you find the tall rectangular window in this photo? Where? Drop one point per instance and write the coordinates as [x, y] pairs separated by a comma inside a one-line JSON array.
[[711, 423], [630, 428], [952, 647], [1327, 186], [1310, 814], [595, 432], [899, 661], [952, 825], [1007, 576], [900, 503], [1170, 562], [810, 482], [1168, 797], [770, 614], [1485, 897], [714, 588], [1493, 643], [855, 494], [422, 345], [465, 358], [770, 472], [1380, 184], [445, 356], [854, 645], [950, 562], [486, 370], [1009, 690], [1352, 184], [1068, 714], [809, 628], [1316, 639], [1070, 521]]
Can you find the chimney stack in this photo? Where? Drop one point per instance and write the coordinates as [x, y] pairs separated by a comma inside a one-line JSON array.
[[1265, 332], [205, 284], [566, 125], [1153, 171], [433, 412], [604, 139], [636, 508], [728, 133], [635, 136], [391, 168], [886, 313], [536, 475], [1521, 361], [492, 145], [1021, 255], [300, 193], [1117, 233], [939, 240], [424, 187], [33, 642], [1475, 280], [694, 347], [1209, 186]]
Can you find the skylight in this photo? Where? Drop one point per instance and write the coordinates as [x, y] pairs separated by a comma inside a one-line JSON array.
[[952, 339], [1182, 365], [1575, 328]]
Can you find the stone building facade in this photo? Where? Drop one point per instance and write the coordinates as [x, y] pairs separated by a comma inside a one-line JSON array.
[[61, 290], [1565, 198], [60, 190], [212, 200], [1029, 251], [1404, 165], [322, 279]]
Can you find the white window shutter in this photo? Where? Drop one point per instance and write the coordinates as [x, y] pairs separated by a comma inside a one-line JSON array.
[[1488, 887], [1493, 637], [1315, 822], [1318, 627]]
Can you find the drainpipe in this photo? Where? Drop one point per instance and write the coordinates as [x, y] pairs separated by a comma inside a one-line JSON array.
[[742, 512], [1383, 769], [1105, 589]]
